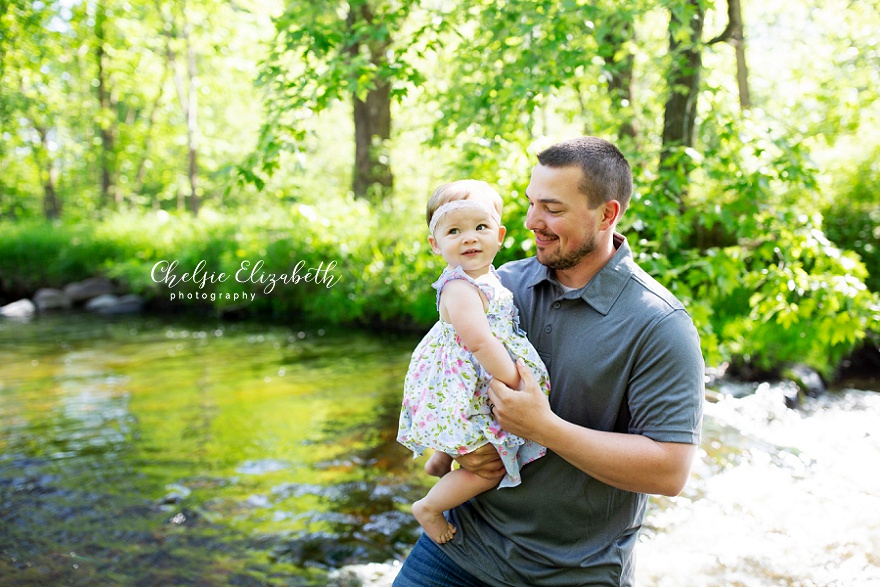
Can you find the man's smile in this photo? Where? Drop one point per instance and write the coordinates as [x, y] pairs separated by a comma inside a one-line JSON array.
[[543, 238]]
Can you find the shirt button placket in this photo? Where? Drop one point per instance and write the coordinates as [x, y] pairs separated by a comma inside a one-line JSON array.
[[551, 317]]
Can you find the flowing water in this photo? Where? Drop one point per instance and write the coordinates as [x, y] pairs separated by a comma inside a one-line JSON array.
[[779, 496], [164, 451]]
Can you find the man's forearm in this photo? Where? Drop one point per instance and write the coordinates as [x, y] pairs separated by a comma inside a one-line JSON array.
[[631, 462]]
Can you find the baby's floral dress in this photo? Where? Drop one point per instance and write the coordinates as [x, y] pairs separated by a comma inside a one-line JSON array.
[[445, 402]]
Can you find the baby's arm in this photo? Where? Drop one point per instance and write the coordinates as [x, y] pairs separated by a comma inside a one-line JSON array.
[[462, 304]]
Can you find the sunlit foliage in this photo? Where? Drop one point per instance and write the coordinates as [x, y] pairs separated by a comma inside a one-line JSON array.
[[763, 221]]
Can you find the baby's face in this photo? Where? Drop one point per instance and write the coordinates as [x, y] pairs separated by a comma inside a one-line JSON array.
[[468, 237]]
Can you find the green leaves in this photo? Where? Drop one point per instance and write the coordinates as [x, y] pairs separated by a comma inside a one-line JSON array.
[[125, 117], [754, 222], [807, 297], [326, 53], [789, 297]]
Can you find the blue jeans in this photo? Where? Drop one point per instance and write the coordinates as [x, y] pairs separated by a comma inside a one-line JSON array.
[[428, 566]]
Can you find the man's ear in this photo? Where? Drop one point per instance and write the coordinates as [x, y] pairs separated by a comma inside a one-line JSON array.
[[610, 215]]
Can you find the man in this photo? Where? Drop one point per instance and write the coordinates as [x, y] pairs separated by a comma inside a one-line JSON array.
[[625, 408]]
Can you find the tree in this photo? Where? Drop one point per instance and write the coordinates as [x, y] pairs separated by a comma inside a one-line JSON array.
[[32, 90], [353, 51], [9, 21], [683, 90], [372, 112], [519, 70], [106, 117], [613, 34], [178, 30], [733, 34]]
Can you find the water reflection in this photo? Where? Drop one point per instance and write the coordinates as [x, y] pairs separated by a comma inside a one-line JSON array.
[[151, 452]]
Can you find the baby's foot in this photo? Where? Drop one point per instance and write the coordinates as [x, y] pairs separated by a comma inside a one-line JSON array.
[[433, 523], [439, 464]]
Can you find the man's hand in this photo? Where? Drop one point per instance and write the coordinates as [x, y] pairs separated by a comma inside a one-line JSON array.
[[520, 411], [483, 462], [515, 410]]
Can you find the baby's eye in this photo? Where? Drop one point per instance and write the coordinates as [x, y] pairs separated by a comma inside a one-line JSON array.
[[482, 227], [453, 231]]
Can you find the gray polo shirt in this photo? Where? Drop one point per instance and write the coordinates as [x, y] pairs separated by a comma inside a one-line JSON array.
[[623, 356]]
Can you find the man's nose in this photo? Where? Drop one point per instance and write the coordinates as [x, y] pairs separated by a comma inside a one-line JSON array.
[[531, 218]]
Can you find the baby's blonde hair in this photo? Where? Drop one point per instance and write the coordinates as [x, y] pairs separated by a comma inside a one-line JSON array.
[[462, 189]]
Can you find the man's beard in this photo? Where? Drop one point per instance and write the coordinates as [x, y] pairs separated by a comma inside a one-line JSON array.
[[561, 262]]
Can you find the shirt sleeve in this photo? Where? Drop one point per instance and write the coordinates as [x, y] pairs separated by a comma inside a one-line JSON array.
[[665, 396]]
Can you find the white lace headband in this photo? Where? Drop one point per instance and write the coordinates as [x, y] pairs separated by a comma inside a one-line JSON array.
[[458, 205]]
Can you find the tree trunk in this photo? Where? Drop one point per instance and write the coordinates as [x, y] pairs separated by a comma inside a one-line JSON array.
[[739, 44], [109, 190], [372, 178], [620, 69], [733, 34], [187, 96], [192, 130], [685, 48], [51, 205], [684, 78]]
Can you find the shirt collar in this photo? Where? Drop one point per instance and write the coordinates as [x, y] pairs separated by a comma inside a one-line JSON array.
[[605, 287]]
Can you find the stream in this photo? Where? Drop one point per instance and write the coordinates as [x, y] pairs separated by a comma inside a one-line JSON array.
[[190, 451]]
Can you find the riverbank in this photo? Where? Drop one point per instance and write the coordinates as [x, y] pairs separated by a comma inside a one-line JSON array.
[[275, 263], [354, 265]]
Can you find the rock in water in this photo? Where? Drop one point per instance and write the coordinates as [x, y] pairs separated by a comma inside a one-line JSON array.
[[87, 289], [47, 299], [22, 309], [807, 379]]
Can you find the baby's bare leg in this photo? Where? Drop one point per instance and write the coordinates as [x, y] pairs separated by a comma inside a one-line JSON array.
[[452, 490], [439, 464]]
